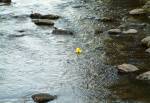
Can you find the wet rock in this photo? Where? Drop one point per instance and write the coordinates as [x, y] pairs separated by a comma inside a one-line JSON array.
[[130, 31], [127, 68], [43, 97], [144, 76], [146, 41], [43, 22], [40, 16], [62, 32], [106, 19], [147, 50], [16, 35], [5, 1], [114, 31], [137, 12], [146, 7]]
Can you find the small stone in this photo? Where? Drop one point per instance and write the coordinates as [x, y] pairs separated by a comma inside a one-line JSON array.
[[127, 68], [137, 12], [130, 31], [43, 97], [40, 16], [106, 19], [62, 32], [114, 31], [144, 76], [147, 50], [43, 22], [146, 41], [16, 35], [5, 1]]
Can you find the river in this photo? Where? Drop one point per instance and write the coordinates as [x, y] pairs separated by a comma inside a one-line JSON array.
[[43, 62]]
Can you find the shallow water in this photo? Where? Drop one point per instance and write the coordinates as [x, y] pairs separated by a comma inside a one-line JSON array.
[[44, 62]]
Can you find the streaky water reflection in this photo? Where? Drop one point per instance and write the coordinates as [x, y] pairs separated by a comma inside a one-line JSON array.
[[42, 62]]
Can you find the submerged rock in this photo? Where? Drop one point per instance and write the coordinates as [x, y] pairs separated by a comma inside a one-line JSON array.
[[17, 35], [40, 16], [127, 68], [146, 7], [43, 22], [5, 1], [114, 31], [106, 19], [130, 31], [147, 50], [62, 32], [137, 12], [144, 76], [43, 97], [146, 41], [98, 31]]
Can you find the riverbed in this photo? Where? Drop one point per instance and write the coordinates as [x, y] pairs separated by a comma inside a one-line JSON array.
[[42, 62]]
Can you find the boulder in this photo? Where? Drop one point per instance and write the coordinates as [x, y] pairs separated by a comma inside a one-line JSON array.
[[43, 97], [5, 1], [137, 12], [144, 76], [146, 41], [40, 16], [43, 22], [130, 31], [127, 68], [114, 31], [62, 32]]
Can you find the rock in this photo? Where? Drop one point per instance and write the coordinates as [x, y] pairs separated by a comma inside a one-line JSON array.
[[130, 31], [43, 97], [137, 12], [147, 50], [114, 31], [40, 16], [146, 41], [144, 76], [43, 22], [106, 19], [62, 32], [5, 1], [146, 7], [127, 68]]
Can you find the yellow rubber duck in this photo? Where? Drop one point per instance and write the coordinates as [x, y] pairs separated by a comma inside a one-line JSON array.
[[78, 51]]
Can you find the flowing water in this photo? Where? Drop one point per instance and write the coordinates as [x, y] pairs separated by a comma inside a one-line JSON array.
[[40, 61]]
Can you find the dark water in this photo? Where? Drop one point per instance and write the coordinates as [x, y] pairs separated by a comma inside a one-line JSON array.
[[44, 62]]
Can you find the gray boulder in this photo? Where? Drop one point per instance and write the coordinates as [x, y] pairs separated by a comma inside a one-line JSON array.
[[114, 31], [137, 12], [43, 97], [127, 68], [144, 76], [43, 22], [146, 41]]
